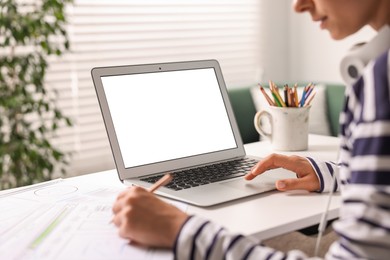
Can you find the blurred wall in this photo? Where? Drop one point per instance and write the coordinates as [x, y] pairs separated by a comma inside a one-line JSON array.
[[313, 54]]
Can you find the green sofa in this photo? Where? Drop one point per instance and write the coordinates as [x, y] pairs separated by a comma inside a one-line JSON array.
[[244, 109]]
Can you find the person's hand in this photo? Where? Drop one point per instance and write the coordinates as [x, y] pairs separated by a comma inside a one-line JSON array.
[[307, 178], [145, 219]]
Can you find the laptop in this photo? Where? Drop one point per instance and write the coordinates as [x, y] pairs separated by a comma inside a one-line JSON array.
[[176, 118]]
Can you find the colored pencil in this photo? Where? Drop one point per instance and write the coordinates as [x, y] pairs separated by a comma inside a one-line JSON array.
[[309, 99], [290, 95], [269, 100], [286, 95], [276, 91], [296, 95], [277, 102]]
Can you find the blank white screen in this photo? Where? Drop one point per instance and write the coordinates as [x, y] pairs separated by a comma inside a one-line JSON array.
[[167, 115]]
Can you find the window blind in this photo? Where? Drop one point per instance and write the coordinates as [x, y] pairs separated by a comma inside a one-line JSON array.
[[107, 33]]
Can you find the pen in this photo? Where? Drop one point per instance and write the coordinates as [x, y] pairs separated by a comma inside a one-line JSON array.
[[161, 182]]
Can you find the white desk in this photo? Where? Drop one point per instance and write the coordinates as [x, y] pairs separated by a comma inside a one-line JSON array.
[[274, 213], [261, 216]]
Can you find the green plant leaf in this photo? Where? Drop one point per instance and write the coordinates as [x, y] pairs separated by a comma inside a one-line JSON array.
[[27, 155]]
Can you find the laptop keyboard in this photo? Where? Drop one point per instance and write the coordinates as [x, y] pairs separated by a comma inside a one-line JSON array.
[[194, 177]]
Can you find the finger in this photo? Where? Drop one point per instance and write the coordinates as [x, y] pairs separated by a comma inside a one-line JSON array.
[[305, 183], [128, 198], [121, 199], [123, 193], [116, 207], [124, 223], [120, 203], [268, 163], [116, 220]]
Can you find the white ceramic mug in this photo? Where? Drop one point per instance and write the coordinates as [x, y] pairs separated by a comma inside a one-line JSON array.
[[289, 127]]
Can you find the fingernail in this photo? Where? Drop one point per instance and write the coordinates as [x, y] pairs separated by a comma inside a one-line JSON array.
[[281, 185]]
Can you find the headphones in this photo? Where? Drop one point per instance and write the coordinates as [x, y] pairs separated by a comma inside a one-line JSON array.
[[353, 64]]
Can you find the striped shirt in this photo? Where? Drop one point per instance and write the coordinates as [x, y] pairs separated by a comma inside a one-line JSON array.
[[363, 175]]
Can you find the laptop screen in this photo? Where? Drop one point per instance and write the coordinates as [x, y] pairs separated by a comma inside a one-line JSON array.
[[162, 116]]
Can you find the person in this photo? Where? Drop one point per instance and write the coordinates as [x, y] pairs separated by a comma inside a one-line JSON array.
[[363, 171]]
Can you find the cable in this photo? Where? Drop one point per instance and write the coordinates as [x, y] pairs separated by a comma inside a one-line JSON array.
[[322, 225]]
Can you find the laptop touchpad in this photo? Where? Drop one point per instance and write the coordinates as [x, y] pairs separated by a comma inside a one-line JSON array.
[[254, 186]]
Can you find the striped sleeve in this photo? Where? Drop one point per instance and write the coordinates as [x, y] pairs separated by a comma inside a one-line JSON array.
[[364, 224], [370, 129], [325, 172], [201, 239]]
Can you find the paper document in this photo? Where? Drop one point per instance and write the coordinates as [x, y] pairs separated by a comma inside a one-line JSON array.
[[66, 221]]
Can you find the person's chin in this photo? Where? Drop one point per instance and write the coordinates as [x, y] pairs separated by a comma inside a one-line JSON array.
[[336, 35]]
